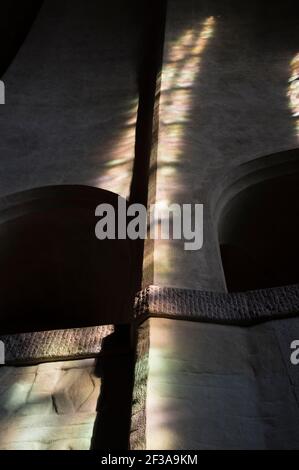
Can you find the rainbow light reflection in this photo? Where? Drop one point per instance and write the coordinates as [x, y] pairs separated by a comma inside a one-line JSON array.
[[179, 75], [116, 173], [293, 92]]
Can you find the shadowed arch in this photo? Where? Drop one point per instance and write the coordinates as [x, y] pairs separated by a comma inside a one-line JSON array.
[[257, 214], [54, 272]]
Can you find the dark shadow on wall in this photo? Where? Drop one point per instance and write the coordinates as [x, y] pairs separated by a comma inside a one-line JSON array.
[[143, 183], [16, 18], [258, 232], [115, 367]]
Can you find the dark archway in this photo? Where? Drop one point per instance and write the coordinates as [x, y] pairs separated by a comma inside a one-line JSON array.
[[15, 23], [54, 272], [259, 225]]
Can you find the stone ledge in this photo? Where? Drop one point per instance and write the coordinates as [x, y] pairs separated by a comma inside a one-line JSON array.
[[56, 345], [242, 308]]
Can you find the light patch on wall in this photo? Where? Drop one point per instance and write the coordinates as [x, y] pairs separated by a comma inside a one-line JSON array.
[[52, 406], [293, 92], [159, 417]]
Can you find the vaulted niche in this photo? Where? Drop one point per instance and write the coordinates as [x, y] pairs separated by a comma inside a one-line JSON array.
[[258, 234], [54, 272]]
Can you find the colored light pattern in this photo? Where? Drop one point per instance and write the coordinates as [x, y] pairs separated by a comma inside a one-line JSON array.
[[293, 92], [178, 79], [178, 82], [116, 173], [178, 76]]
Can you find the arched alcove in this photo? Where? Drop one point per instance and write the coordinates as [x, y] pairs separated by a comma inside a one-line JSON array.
[[54, 272], [258, 224], [15, 23]]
